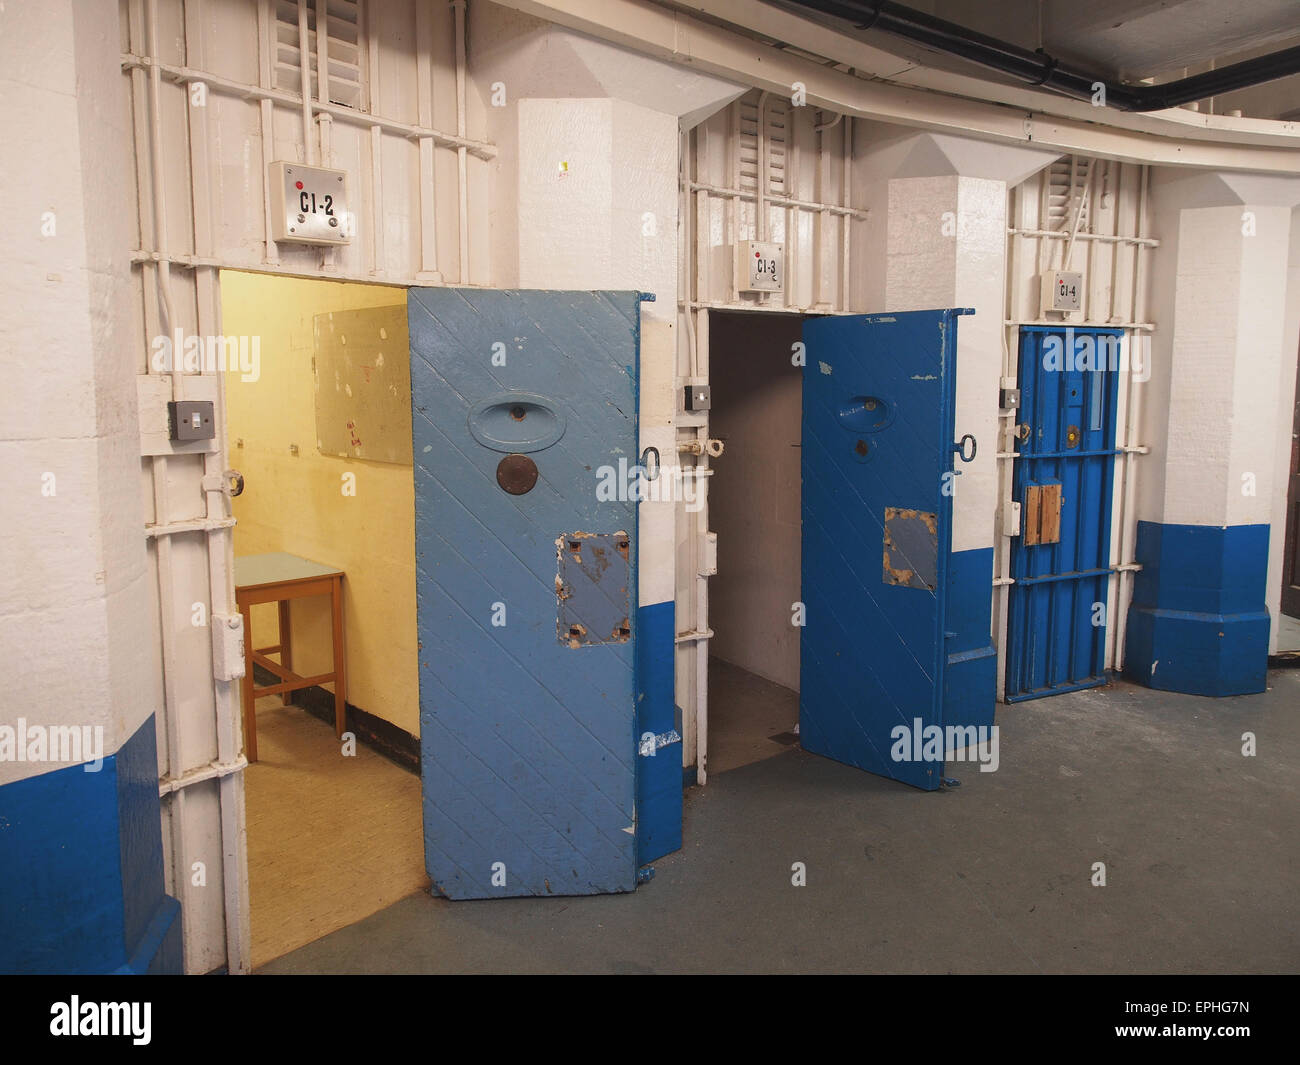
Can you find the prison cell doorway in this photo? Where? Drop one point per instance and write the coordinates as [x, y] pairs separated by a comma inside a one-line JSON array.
[[1064, 481], [838, 598]]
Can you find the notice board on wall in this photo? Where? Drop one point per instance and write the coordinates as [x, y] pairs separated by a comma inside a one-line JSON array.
[[363, 384]]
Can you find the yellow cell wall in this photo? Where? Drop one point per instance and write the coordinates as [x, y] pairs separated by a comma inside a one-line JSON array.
[[294, 503]]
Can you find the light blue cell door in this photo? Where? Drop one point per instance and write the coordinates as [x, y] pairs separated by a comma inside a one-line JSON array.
[[530, 647], [896, 639], [1064, 481]]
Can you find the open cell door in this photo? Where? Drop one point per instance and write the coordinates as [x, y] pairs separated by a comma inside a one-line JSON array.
[[895, 640], [527, 593]]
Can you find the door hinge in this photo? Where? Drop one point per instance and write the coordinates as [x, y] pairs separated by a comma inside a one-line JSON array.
[[227, 646]]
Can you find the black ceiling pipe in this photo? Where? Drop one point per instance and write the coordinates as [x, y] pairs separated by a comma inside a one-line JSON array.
[[1042, 70]]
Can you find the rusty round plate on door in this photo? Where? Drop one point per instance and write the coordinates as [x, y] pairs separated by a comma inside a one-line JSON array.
[[1072, 436], [517, 474]]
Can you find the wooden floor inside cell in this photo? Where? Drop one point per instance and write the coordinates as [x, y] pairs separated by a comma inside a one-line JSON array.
[[331, 839]]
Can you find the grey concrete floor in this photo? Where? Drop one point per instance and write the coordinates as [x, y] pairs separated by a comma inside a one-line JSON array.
[[1201, 846], [1288, 633], [745, 712]]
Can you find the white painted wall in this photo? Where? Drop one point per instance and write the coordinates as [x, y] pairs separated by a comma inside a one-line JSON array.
[[754, 494], [74, 604]]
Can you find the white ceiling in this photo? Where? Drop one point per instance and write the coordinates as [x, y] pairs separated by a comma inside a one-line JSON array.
[[1132, 39]]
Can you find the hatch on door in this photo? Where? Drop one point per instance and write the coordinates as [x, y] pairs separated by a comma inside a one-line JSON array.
[[885, 656], [525, 405]]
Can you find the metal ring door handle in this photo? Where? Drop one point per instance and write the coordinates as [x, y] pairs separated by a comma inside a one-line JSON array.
[[645, 464], [960, 448]]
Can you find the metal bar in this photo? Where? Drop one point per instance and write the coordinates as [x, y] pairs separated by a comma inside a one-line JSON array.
[[1060, 689], [171, 528], [185, 75], [191, 262], [1144, 326], [1076, 454], [462, 160], [779, 201], [1078, 575], [211, 771], [1100, 238], [304, 84]]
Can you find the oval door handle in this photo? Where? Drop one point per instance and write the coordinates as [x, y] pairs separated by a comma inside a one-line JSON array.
[[235, 480], [645, 463], [960, 448]]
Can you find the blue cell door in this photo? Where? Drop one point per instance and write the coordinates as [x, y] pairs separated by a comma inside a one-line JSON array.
[[525, 430], [1063, 480], [895, 640]]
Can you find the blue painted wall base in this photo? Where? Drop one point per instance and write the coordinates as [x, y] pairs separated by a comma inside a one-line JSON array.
[[1198, 623], [81, 869], [658, 776]]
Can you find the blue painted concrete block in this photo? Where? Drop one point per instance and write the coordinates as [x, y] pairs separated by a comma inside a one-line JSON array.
[[81, 873], [1198, 623]]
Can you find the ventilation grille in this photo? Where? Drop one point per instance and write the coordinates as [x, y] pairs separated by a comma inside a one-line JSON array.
[[778, 137], [342, 48], [1066, 181]]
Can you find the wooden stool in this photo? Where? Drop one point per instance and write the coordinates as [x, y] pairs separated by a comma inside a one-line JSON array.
[[281, 578]]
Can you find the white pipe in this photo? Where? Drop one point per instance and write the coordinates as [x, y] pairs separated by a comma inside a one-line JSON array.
[[462, 159], [219, 547], [266, 122], [212, 771], [163, 271], [702, 587], [1103, 238], [377, 253], [304, 81], [323, 55], [158, 470], [424, 41], [1078, 211], [760, 209], [687, 156], [1132, 419], [338, 112], [226, 697], [781, 201], [848, 204]]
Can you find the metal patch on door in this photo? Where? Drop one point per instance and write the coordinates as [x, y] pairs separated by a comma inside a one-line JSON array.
[[591, 588], [911, 548]]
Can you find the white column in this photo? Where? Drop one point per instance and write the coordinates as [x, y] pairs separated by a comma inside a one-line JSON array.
[[1222, 356], [937, 237]]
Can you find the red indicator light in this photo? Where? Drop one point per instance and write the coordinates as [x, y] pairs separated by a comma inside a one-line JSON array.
[[297, 184], [758, 255]]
